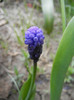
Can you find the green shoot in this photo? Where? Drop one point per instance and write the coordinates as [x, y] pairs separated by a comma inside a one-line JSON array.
[[62, 61], [63, 14]]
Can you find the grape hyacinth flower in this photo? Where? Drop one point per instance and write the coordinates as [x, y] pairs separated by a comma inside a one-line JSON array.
[[34, 38]]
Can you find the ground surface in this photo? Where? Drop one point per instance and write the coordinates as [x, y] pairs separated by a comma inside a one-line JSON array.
[[15, 17]]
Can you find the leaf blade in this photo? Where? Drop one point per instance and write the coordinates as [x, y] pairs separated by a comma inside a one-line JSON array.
[[62, 60], [33, 93], [24, 90]]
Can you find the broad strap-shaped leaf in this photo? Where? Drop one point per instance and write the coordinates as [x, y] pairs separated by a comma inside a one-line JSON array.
[[24, 90], [48, 12], [62, 60]]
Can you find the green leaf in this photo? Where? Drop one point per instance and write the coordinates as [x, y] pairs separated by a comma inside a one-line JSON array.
[[25, 54], [25, 89], [62, 60], [70, 70], [18, 38], [16, 71], [33, 93], [48, 12], [63, 14]]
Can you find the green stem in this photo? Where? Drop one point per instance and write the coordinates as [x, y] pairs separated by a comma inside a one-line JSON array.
[[63, 14], [32, 81]]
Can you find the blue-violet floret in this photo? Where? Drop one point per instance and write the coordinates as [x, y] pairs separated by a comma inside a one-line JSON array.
[[34, 38]]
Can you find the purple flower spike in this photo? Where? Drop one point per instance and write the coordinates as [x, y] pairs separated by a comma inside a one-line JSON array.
[[34, 38]]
